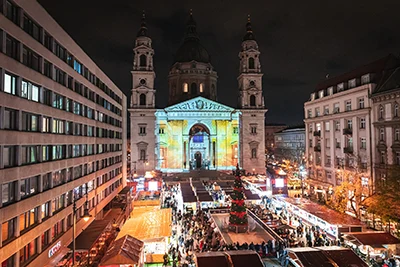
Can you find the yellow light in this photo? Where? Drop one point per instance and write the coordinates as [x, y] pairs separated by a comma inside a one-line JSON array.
[[86, 219]]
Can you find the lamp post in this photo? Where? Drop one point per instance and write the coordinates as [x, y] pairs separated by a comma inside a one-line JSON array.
[[86, 217]]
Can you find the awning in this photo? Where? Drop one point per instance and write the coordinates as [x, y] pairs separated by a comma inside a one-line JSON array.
[[88, 237], [374, 238], [126, 250]]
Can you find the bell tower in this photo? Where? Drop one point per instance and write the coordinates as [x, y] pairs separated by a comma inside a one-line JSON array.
[[143, 75], [250, 76], [251, 104]]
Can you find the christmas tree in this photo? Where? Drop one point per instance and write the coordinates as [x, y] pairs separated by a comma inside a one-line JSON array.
[[238, 215]]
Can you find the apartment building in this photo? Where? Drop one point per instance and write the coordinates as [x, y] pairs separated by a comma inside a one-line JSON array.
[[62, 136], [290, 144], [270, 129], [386, 123], [339, 124]]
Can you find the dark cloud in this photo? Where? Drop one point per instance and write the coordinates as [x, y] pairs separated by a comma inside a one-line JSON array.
[[300, 42]]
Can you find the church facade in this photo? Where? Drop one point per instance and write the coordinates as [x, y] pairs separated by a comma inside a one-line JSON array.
[[195, 131]]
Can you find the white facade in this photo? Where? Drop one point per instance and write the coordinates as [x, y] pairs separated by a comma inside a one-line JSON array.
[[62, 134], [195, 131]]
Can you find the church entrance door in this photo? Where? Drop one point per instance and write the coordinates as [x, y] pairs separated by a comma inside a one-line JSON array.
[[197, 157]]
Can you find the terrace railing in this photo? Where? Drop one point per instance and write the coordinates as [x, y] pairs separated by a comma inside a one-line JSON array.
[[265, 226]]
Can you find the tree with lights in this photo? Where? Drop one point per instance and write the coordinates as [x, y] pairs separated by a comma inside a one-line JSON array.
[[238, 214]]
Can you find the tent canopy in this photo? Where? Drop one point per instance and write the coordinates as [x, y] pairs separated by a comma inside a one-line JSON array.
[[125, 250], [88, 237], [374, 238]]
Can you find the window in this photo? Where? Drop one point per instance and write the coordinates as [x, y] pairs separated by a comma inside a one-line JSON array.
[[48, 41], [58, 152], [365, 79], [330, 90], [28, 186], [361, 103], [363, 143], [142, 130], [10, 156], [30, 122], [336, 108], [60, 52], [32, 28], [77, 108], [30, 154], [58, 177], [380, 112], [58, 126], [383, 157], [396, 110], [382, 134], [312, 96], [8, 192], [327, 143], [46, 181], [45, 210], [340, 87], [45, 125], [47, 97], [28, 219], [310, 143], [348, 105], [317, 112], [143, 60], [350, 124], [352, 83], [252, 100], [326, 110], [337, 143], [398, 158], [142, 154], [201, 87], [253, 129], [8, 230], [12, 12], [161, 131], [29, 91], [142, 99], [10, 119], [77, 67], [254, 153], [397, 134], [309, 113], [251, 63], [12, 47], [58, 101], [235, 130], [30, 59], [321, 94], [327, 126], [27, 252], [60, 76], [48, 69], [185, 87], [10, 84], [362, 123]]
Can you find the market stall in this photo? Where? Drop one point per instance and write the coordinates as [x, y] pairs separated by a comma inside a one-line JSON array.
[[152, 226], [126, 251]]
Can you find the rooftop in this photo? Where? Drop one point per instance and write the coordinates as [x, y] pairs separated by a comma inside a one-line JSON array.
[[374, 238]]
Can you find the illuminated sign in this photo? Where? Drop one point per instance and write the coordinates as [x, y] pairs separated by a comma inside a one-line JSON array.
[[55, 249], [279, 183], [153, 186]]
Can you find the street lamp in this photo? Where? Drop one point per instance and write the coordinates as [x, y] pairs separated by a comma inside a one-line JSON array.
[[86, 217]]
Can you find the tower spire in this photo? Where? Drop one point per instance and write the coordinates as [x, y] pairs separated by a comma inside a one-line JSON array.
[[249, 30], [191, 30], [143, 26]]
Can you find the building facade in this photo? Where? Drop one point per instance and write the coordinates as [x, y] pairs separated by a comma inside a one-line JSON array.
[[290, 144], [270, 130], [62, 136], [341, 127], [195, 131]]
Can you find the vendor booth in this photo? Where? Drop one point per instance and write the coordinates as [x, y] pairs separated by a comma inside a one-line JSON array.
[[126, 251], [152, 226]]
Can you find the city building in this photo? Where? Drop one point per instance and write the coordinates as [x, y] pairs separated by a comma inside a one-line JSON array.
[[195, 131], [338, 122], [62, 136], [270, 129], [290, 144], [386, 123]]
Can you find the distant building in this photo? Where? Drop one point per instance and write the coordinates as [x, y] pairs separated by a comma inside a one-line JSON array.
[[290, 144], [338, 122], [270, 129]]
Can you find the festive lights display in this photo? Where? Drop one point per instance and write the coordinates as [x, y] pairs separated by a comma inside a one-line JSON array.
[[238, 214]]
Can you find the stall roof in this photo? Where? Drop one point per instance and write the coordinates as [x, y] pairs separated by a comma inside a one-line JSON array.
[[321, 211], [228, 259], [204, 197], [188, 198], [125, 190], [374, 238], [125, 250], [88, 237], [325, 257], [250, 196], [147, 224]]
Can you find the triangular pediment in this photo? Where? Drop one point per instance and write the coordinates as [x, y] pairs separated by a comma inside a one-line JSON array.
[[199, 104]]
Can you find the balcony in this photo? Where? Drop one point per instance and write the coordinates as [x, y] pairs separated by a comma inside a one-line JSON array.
[[348, 150], [348, 131], [317, 149], [317, 133]]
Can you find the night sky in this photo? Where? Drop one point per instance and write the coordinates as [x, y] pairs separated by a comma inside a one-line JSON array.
[[300, 41]]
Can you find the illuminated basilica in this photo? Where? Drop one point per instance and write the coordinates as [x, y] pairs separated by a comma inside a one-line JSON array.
[[195, 131]]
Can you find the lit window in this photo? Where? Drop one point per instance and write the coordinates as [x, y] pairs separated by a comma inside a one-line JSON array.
[[348, 105], [340, 87], [352, 83], [185, 87], [362, 123], [321, 94], [201, 87], [361, 103], [365, 79], [330, 90], [9, 84]]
